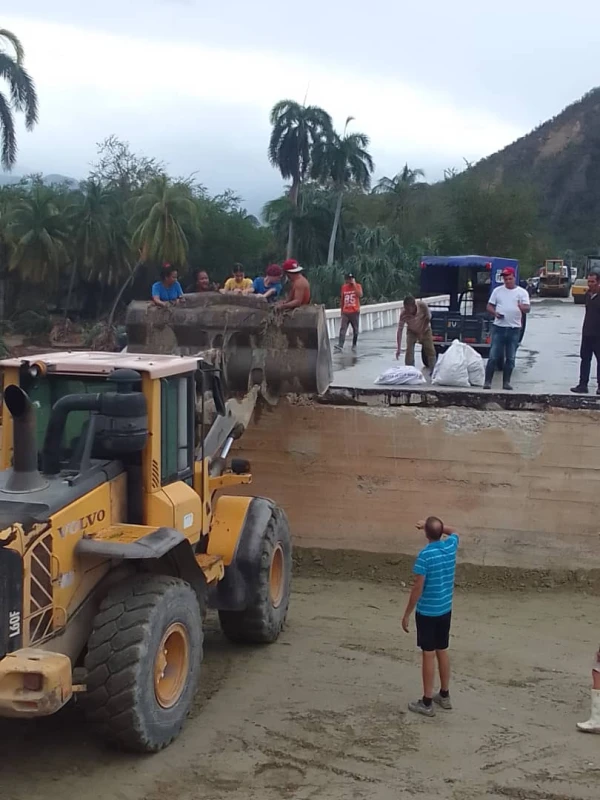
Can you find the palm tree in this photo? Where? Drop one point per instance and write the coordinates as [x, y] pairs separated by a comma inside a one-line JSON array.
[[38, 230], [312, 220], [398, 184], [345, 161], [22, 96], [89, 218], [296, 130], [401, 195], [161, 212]]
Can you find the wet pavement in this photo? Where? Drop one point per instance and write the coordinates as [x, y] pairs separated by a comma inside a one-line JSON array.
[[547, 360]]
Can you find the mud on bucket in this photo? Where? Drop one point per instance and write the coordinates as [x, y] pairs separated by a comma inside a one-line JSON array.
[[284, 351]]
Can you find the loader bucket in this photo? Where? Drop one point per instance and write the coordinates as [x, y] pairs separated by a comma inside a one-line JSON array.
[[252, 342]]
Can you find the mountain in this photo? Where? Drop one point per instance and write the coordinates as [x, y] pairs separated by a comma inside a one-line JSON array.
[[561, 160], [9, 179]]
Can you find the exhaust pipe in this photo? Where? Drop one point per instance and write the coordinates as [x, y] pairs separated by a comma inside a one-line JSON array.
[[25, 476]]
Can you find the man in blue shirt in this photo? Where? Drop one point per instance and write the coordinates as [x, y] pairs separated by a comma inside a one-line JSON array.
[[168, 289], [269, 286], [432, 594]]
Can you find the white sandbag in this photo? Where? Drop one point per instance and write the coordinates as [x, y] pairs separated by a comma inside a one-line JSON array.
[[400, 375], [451, 367], [475, 366]]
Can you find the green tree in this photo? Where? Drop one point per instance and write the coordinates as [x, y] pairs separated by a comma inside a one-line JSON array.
[[38, 230], [489, 219], [21, 97], [160, 214], [296, 130], [121, 170], [402, 193], [398, 184], [385, 268], [344, 161], [89, 219], [312, 220]]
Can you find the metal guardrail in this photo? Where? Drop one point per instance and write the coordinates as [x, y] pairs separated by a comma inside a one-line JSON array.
[[374, 316]]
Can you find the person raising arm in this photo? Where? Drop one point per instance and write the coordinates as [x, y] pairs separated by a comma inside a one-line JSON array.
[[431, 596]]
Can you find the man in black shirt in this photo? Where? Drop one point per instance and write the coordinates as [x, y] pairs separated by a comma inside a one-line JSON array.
[[590, 335]]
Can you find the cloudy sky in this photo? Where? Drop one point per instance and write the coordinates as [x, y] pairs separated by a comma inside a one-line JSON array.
[[192, 81]]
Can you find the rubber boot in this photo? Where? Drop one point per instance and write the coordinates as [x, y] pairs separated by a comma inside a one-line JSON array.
[[593, 723], [506, 379], [490, 368]]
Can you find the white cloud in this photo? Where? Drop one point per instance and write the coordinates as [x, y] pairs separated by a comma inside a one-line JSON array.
[[194, 105]]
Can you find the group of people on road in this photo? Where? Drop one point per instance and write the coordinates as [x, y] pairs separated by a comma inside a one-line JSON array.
[[168, 291], [508, 305]]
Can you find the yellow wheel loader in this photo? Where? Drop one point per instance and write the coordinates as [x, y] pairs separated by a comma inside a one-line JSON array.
[[580, 286], [116, 535]]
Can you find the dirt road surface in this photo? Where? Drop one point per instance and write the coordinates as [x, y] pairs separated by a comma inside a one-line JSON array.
[[322, 713]]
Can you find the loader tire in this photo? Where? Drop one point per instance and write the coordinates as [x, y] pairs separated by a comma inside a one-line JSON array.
[[264, 617], [143, 662]]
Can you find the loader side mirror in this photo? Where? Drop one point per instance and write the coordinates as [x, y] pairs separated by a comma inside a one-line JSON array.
[[218, 395]]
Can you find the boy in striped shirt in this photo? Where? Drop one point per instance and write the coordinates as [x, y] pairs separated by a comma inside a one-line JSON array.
[[432, 594]]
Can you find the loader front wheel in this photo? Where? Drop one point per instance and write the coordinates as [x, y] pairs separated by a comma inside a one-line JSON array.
[[264, 617], [143, 662]]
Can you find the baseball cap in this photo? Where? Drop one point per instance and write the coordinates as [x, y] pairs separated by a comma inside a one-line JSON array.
[[291, 265], [274, 271], [508, 271], [349, 275]]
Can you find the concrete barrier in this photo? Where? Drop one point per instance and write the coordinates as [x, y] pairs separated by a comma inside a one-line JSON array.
[[523, 487], [373, 316]]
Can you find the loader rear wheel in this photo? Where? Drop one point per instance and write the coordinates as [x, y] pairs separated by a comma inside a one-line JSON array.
[[263, 619], [143, 662]]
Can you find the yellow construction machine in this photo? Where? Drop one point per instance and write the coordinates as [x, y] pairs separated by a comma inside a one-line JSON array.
[[580, 286], [117, 532], [555, 279]]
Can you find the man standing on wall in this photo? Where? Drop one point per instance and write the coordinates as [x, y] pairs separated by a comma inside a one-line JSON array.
[[507, 305], [350, 311], [432, 595], [417, 318], [590, 335]]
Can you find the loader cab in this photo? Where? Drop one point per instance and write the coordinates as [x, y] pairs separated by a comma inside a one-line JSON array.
[[114, 418]]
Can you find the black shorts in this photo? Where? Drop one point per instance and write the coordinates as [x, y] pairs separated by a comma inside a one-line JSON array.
[[433, 633]]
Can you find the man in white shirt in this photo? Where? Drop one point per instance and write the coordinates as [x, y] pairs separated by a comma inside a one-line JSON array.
[[507, 304]]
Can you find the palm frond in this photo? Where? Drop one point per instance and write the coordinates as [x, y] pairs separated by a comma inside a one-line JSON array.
[[8, 137], [15, 42]]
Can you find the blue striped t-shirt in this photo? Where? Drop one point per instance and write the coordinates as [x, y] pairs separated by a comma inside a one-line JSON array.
[[437, 562]]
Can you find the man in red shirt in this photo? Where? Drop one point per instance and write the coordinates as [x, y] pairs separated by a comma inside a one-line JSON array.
[[350, 306]]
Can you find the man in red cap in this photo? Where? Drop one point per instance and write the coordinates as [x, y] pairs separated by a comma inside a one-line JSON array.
[[300, 291], [269, 285], [507, 304]]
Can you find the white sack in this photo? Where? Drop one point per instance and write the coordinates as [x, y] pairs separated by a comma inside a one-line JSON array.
[[400, 375]]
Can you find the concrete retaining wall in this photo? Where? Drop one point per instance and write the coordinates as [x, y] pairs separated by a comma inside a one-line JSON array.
[[523, 487]]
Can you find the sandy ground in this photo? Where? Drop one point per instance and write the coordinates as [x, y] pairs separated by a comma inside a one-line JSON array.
[[322, 713]]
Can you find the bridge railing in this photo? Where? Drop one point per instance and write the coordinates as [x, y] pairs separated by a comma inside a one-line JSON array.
[[374, 316]]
